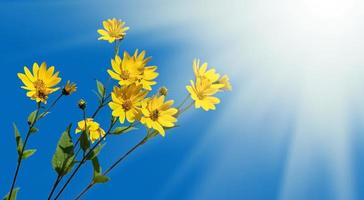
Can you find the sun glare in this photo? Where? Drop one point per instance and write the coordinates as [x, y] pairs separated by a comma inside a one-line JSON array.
[[306, 53]]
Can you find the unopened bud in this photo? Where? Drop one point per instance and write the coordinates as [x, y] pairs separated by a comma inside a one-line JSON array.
[[163, 91], [82, 104]]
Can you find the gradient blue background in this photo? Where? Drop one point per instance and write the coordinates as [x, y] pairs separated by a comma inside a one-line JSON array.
[[239, 151]]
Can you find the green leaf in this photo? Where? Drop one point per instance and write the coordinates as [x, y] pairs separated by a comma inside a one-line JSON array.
[[84, 142], [19, 141], [33, 130], [122, 129], [96, 166], [101, 179], [99, 98], [98, 177], [43, 115], [13, 194], [152, 134], [94, 153], [31, 117], [28, 153], [63, 158], [100, 88]]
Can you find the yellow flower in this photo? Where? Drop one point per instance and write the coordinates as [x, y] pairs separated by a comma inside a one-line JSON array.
[[206, 84], [126, 102], [202, 93], [122, 70], [146, 73], [203, 73], [113, 30], [69, 88], [133, 69], [158, 114], [95, 131], [224, 80], [40, 83]]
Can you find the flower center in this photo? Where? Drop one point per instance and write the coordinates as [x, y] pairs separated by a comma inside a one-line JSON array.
[[154, 115], [115, 34], [41, 89], [42, 95], [127, 105], [39, 85], [124, 75], [200, 95]]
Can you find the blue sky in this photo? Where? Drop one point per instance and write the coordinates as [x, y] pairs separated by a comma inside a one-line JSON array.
[[290, 129]]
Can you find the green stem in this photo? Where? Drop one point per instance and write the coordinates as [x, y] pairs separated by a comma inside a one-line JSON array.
[[57, 181], [183, 102], [103, 103], [185, 109], [22, 151], [51, 106], [116, 47]]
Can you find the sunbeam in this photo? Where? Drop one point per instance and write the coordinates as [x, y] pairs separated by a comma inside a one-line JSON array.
[[299, 58], [291, 128]]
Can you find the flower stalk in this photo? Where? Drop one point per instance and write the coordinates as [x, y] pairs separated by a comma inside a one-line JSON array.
[[20, 157]]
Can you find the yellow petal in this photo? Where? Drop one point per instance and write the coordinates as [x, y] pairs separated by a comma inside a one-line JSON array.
[[35, 70], [42, 71], [25, 80], [29, 74], [113, 75], [156, 126]]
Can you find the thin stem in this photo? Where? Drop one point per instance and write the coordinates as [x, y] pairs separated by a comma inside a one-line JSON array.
[[83, 160], [58, 180], [22, 150], [125, 155], [102, 104], [51, 106], [92, 183], [185, 109], [78, 140], [116, 47], [183, 102]]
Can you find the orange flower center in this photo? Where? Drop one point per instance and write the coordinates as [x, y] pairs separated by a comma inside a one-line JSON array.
[[127, 105], [115, 34], [41, 89], [39, 85], [200, 95]]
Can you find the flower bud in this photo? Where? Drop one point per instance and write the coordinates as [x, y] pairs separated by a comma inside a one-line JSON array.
[[82, 104], [163, 91], [69, 88]]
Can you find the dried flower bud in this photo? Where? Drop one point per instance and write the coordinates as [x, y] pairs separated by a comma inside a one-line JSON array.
[[69, 88], [82, 104], [163, 91]]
